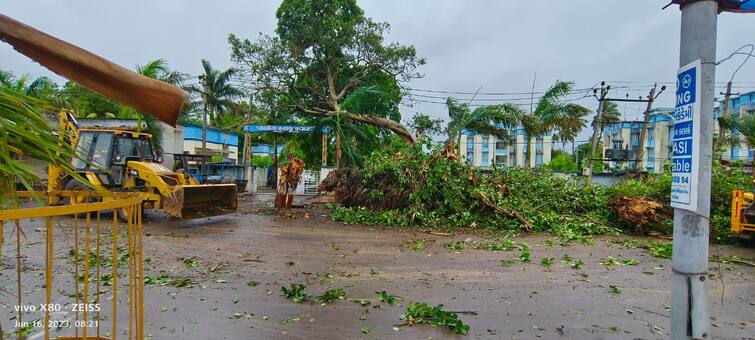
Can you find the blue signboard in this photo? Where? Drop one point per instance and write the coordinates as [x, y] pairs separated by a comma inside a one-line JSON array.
[[685, 152], [737, 6], [282, 128]]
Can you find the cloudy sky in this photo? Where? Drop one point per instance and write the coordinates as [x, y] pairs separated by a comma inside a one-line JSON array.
[[496, 45]]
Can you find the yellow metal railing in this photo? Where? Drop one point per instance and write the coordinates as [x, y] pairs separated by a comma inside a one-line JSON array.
[[88, 310]]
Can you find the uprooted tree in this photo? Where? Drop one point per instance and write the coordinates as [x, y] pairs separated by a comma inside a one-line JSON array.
[[323, 53]]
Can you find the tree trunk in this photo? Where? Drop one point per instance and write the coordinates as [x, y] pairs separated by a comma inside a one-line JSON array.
[[385, 123], [338, 150], [528, 155], [275, 161]]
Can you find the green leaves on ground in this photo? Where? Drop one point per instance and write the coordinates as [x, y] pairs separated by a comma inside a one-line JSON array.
[[417, 313], [611, 261], [387, 298], [524, 256], [330, 296], [297, 292], [662, 250], [546, 262]]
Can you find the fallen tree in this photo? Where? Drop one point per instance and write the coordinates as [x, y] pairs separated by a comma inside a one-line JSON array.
[[435, 189]]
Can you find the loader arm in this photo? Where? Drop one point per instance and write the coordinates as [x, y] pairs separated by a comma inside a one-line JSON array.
[[181, 197]]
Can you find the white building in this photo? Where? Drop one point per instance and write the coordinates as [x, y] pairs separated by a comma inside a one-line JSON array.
[[479, 150]]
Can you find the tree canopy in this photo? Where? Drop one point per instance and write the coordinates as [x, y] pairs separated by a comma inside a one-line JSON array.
[[323, 54]]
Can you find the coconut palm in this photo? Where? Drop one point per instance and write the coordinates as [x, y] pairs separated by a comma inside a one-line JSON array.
[[493, 120], [26, 132], [553, 115], [218, 94], [611, 112]]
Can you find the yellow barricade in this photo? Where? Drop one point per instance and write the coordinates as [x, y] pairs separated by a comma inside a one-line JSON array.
[[82, 315]]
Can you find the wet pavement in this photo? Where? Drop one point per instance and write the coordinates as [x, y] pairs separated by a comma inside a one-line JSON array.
[[237, 264]]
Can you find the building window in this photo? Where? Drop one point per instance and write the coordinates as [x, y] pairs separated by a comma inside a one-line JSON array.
[[485, 158], [539, 159], [634, 140], [501, 160]]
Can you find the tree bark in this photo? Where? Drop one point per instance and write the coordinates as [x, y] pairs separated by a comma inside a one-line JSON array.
[[385, 123], [338, 150], [527, 155]]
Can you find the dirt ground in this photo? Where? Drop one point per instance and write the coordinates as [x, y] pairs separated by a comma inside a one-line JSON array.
[[221, 256]]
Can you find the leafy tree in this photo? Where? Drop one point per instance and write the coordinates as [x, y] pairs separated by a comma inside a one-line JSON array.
[[553, 115], [423, 124], [561, 161], [583, 151], [744, 126], [325, 52]]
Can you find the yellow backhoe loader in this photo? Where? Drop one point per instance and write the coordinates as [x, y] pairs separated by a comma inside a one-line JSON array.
[[743, 214], [120, 162]]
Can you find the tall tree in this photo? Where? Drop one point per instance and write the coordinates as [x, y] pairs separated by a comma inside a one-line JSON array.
[[553, 115], [215, 91], [493, 120], [611, 113], [323, 53]]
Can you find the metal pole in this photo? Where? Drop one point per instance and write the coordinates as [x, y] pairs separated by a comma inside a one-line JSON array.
[[689, 299], [247, 157], [203, 79]]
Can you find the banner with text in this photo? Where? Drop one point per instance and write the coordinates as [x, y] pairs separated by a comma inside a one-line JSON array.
[[685, 156]]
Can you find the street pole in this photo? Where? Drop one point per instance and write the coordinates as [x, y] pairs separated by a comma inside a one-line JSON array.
[[689, 291], [203, 79], [643, 134], [597, 126], [247, 157], [724, 113], [324, 149]]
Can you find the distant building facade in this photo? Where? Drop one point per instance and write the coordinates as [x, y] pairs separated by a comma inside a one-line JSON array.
[[740, 106], [625, 135], [484, 151], [219, 142]]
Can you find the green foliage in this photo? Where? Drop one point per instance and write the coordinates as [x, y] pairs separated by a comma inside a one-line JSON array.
[[417, 313], [443, 192], [25, 132], [561, 161], [387, 298], [422, 124], [297, 292], [262, 162], [524, 256], [725, 179], [546, 262], [662, 250], [612, 261], [583, 153], [330, 296]]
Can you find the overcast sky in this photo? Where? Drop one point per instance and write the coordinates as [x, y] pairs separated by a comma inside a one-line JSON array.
[[496, 45]]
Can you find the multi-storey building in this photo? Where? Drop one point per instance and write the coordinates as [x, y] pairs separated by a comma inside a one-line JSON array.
[[481, 150], [625, 135], [219, 142], [739, 106]]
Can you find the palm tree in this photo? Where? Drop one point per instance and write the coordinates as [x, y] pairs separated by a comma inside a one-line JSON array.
[[484, 120], [744, 126], [216, 93], [611, 112], [551, 114]]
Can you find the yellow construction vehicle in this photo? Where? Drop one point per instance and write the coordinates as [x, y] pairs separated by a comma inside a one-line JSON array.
[[742, 214], [119, 162]]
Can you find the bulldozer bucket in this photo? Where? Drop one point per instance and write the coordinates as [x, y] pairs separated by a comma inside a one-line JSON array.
[[195, 201]]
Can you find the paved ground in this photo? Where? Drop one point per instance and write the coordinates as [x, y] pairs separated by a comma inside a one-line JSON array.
[[221, 255]]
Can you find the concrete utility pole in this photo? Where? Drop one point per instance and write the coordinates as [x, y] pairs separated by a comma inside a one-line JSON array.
[[597, 126], [724, 113], [689, 291], [324, 149], [247, 156], [205, 90], [641, 152]]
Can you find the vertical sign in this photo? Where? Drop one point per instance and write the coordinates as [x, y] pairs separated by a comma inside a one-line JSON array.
[[685, 157]]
